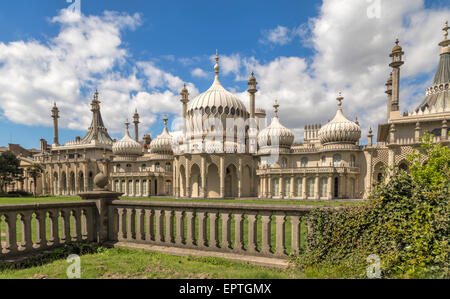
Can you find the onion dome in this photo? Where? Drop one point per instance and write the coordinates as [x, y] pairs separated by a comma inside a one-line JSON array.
[[340, 129], [163, 143], [217, 100], [127, 146], [276, 134]]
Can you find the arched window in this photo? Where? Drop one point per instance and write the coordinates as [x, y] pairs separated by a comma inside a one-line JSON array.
[[380, 177], [287, 188], [157, 165], [144, 167], [275, 187], [117, 167], [168, 166], [337, 160], [403, 166], [284, 163], [324, 161], [352, 161], [304, 162]]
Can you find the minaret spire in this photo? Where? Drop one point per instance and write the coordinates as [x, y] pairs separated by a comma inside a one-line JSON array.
[[252, 91], [446, 42], [340, 98], [217, 66], [136, 125], [55, 116], [276, 106]]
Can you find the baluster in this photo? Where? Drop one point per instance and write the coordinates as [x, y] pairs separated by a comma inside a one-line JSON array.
[[295, 243], [41, 217], [169, 227], [190, 228], [11, 233], [122, 235], [179, 239], [65, 219], [266, 233], [140, 233], [27, 241], [280, 234], [54, 228], [84, 228], [213, 230], [131, 222], [149, 233], [238, 232], [1, 246], [202, 229], [91, 233], [159, 228], [252, 233], [226, 231], [77, 218]]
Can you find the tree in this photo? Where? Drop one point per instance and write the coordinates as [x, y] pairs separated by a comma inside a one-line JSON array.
[[9, 169], [35, 171]]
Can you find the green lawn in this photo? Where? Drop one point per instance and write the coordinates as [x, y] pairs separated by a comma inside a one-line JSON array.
[[137, 264]]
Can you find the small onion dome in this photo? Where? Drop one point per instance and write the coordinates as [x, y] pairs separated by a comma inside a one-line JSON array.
[[340, 129], [127, 146], [276, 134], [163, 143], [397, 48]]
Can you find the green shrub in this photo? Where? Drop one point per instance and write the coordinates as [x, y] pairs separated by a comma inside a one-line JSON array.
[[406, 222]]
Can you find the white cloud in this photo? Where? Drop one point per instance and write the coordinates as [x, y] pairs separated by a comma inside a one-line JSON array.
[[87, 53], [352, 56], [280, 35], [198, 72]]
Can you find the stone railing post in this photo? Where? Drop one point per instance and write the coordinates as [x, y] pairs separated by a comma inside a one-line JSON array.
[[103, 199]]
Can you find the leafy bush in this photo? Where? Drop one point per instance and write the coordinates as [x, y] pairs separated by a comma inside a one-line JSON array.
[[406, 222]]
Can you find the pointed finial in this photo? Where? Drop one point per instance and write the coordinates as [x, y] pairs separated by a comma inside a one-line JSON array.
[[96, 95], [446, 30], [356, 121], [446, 41], [340, 98], [165, 120], [276, 106], [217, 67], [397, 41], [127, 125]]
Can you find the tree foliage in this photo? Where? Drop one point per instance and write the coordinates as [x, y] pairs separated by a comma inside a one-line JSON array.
[[406, 222], [9, 169]]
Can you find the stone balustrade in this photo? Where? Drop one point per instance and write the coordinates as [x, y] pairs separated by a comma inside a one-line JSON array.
[[248, 229], [30, 228], [263, 230]]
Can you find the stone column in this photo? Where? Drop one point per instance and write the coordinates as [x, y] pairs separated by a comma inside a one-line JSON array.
[[77, 183], [67, 180], [444, 132], [317, 187], [292, 189], [141, 189], [239, 178], [269, 187], [281, 186], [222, 176], [188, 178], [329, 189], [85, 177], [203, 177], [305, 195]]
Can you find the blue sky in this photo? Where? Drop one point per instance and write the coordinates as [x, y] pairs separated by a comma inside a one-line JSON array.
[[177, 37]]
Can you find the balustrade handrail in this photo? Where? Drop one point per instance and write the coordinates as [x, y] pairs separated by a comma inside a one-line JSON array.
[[44, 206]]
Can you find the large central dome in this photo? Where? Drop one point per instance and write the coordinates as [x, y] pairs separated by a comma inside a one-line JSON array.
[[217, 100]]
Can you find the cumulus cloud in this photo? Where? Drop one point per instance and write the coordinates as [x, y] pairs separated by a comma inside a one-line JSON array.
[[280, 35], [86, 54], [198, 72], [351, 55]]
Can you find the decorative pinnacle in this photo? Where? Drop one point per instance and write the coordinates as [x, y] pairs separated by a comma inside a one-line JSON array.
[[217, 67], [165, 120], [340, 98], [96, 95], [446, 41], [276, 106], [370, 132], [127, 125]]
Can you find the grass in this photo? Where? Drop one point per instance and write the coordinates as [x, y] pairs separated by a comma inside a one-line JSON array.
[[122, 263]]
